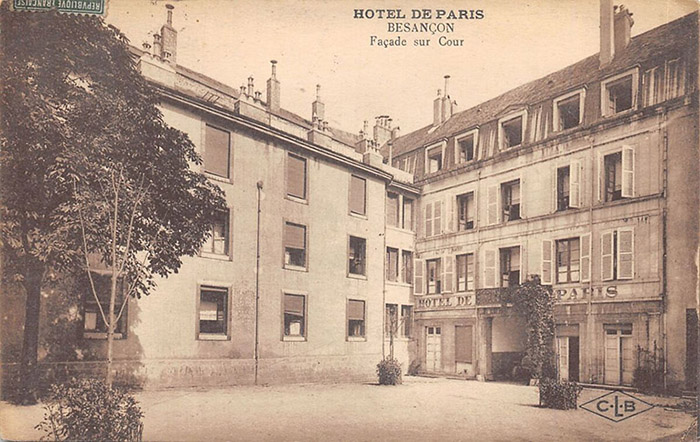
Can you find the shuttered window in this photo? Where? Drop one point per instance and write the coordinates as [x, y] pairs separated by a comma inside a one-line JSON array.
[[356, 318], [358, 187], [625, 254], [447, 275], [428, 220], [294, 245], [492, 205], [568, 260], [218, 240], [296, 176], [433, 276], [585, 257], [392, 209], [406, 266], [489, 268], [465, 272], [213, 311], [465, 211], [392, 264], [217, 152], [418, 277], [546, 262]]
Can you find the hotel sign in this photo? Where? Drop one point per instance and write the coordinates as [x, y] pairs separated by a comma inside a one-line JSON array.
[[584, 293], [446, 302]]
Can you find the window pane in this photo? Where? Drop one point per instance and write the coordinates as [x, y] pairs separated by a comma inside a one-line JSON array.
[[212, 310], [392, 209], [357, 195], [407, 318], [217, 242], [407, 214], [392, 264], [295, 245], [356, 318], [512, 132], [407, 266], [296, 176], [356, 258], [217, 151], [294, 315]]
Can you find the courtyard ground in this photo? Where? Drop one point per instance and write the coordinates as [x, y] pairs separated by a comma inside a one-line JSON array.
[[420, 409]]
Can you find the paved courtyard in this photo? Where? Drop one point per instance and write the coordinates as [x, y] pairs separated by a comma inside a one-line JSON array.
[[420, 409]]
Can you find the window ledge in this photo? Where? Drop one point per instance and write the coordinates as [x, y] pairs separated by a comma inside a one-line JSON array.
[[294, 339], [398, 338], [214, 177], [399, 284], [212, 337], [358, 215], [296, 199], [356, 276], [357, 339], [101, 335], [215, 256], [295, 268]]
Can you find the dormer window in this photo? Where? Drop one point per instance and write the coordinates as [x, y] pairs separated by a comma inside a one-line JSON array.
[[619, 93], [511, 130], [434, 157], [466, 147], [568, 110]]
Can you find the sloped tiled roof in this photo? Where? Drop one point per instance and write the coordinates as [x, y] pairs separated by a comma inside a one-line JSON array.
[[658, 42]]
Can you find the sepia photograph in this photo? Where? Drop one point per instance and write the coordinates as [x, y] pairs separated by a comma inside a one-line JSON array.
[[349, 220]]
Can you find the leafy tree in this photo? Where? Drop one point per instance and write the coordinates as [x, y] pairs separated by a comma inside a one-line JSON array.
[[535, 303], [88, 166]]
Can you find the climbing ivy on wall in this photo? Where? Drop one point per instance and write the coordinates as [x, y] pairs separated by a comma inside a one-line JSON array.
[[534, 302]]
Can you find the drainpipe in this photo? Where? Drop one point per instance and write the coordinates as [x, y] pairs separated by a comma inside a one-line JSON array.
[[589, 306], [664, 245], [256, 353], [383, 234]]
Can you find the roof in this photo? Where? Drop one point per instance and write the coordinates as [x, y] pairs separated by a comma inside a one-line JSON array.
[[657, 42]]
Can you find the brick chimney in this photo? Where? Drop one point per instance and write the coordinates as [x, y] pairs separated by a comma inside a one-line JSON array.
[[446, 101], [318, 109], [382, 129], [623, 28], [273, 89], [437, 109], [169, 37], [607, 34]]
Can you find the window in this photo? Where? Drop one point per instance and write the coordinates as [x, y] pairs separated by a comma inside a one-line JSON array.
[[294, 316], [465, 205], [392, 264], [512, 132], [392, 209], [391, 323], [356, 318], [510, 197], [617, 254], [356, 256], [296, 176], [653, 86], [406, 267], [407, 218], [465, 272], [217, 242], [434, 161], [433, 218], [433, 267], [674, 79], [563, 188], [568, 260], [618, 94], [465, 148], [510, 266], [407, 320], [94, 325], [294, 245], [213, 312], [358, 188], [567, 112], [618, 175], [217, 152]]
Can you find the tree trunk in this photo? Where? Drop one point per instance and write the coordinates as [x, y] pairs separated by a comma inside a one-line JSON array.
[[28, 368]]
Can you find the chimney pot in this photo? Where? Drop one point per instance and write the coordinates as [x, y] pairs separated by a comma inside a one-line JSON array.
[[273, 88], [447, 79], [274, 68], [170, 8]]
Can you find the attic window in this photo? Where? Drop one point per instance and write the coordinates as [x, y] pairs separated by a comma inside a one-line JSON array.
[[568, 111], [434, 159], [466, 147], [512, 132], [619, 93]]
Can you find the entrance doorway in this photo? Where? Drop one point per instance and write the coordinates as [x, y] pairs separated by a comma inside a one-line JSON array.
[[619, 354], [433, 349], [568, 358]]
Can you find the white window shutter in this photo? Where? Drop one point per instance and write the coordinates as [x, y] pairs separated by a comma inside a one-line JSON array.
[[447, 274], [575, 184], [450, 207], [438, 208], [546, 261], [418, 266], [585, 241], [492, 205], [601, 183], [625, 253], [523, 265], [627, 171], [606, 256], [553, 179], [521, 198], [489, 268], [429, 220]]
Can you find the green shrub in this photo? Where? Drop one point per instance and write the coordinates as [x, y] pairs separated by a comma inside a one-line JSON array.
[[389, 372], [648, 376], [87, 409], [562, 395]]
